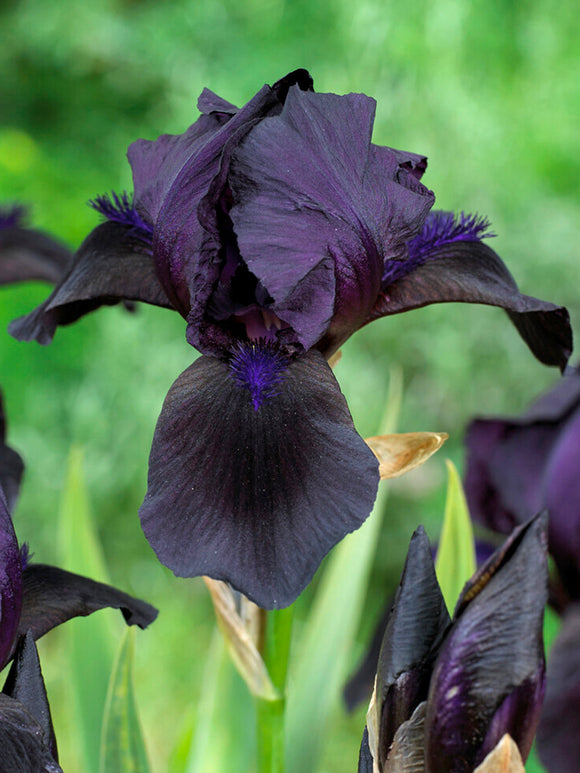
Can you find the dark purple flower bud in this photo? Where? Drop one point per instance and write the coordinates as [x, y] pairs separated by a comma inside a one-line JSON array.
[[276, 230], [489, 676], [518, 465], [27, 253], [447, 691], [558, 740]]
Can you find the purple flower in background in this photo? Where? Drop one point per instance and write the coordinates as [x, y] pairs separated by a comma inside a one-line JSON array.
[[446, 690], [517, 465], [276, 230], [34, 598], [27, 253]]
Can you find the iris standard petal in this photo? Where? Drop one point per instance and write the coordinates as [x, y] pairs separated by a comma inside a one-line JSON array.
[[493, 651], [471, 272], [111, 265], [414, 633], [11, 464], [188, 243], [26, 685], [52, 596], [558, 740], [312, 195], [255, 496], [10, 583]]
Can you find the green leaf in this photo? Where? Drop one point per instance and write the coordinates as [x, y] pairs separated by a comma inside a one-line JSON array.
[[318, 671], [455, 562], [89, 641], [123, 748]]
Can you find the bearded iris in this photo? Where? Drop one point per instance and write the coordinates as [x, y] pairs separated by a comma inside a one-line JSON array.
[[276, 231]]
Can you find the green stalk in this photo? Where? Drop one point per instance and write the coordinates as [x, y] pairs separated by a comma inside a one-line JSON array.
[[270, 714]]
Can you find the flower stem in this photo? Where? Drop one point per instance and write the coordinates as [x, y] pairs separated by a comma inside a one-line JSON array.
[[270, 714]]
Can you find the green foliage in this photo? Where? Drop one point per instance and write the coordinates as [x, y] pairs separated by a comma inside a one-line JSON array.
[[122, 748], [456, 561], [318, 668], [89, 641]]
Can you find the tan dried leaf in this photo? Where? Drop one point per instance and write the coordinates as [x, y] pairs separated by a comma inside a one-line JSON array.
[[242, 627], [505, 758], [373, 724], [407, 754], [335, 358], [398, 454]]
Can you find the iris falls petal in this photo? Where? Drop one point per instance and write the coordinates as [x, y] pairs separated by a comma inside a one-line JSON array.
[[256, 497]]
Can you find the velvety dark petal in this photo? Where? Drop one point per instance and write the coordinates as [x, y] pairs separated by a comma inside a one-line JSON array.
[[505, 471], [471, 272], [255, 497], [10, 583], [27, 254], [558, 739], [22, 745], [190, 221], [557, 404], [52, 596], [11, 464], [562, 498], [365, 758], [418, 622], [26, 685], [311, 193], [110, 265], [493, 651]]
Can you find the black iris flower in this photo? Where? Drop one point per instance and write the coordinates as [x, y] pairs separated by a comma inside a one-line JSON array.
[[276, 230]]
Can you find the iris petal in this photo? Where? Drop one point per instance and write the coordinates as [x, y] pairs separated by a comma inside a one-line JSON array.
[[471, 272], [22, 746], [414, 632], [493, 650], [10, 583], [312, 196], [11, 464], [558, 742], [28, 254], [26, 685], [52, 596], [110, 265], [255, 497]]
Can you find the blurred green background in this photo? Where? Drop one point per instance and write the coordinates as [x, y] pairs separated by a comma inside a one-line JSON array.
[[484, 89]]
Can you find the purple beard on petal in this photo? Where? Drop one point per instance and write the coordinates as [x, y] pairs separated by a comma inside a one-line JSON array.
[[25, 555], [120, 209], [12, 216], [258, 366], [440, 228]]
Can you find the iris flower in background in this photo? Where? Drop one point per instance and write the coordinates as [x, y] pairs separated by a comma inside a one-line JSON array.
[[448, 690], [276, 230], [34, 598], [27, 253], [516, 465]]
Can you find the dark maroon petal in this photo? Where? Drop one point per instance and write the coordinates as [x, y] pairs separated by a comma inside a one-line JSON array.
[[312, 195], [494, 651], [11, 464], [52, 596], [22, 745], [10, 583], [558, 740], [110, 265], [562, 498], [26, 685], [365, 758], [416, 627], [189, 222], [255, 497], [471, 272], [505, 471], [27, 254]]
